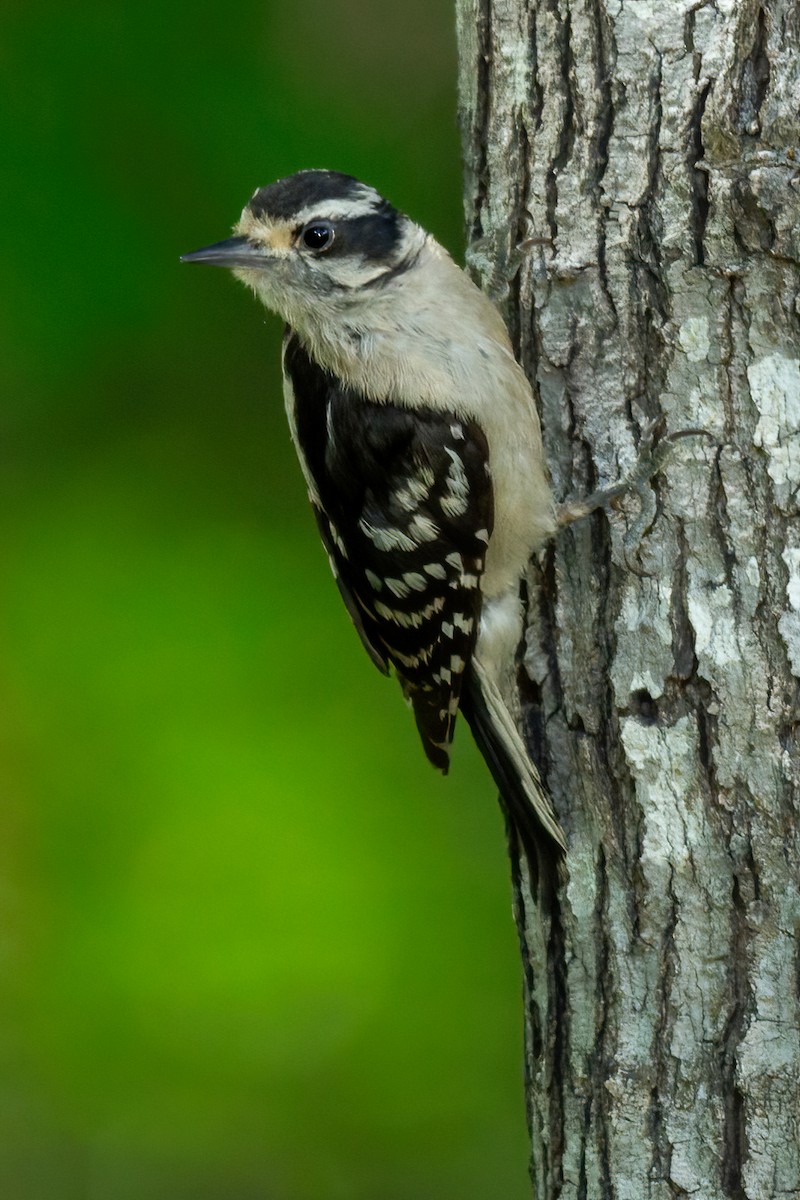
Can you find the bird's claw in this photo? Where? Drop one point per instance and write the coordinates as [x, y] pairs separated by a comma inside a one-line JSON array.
[[653, 452]]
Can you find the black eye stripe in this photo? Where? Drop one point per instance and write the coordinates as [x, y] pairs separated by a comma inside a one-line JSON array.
[[375, 235]]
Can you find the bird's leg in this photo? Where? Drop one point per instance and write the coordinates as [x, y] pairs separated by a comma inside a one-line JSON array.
[[653, 453]]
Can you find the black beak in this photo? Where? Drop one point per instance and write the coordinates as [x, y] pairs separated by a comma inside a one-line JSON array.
[[233, 252]]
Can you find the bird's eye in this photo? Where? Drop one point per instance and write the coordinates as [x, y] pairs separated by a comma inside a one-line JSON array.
[[318, 235]]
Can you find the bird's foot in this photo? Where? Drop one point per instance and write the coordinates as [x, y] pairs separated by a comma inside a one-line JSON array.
[[653, 453]]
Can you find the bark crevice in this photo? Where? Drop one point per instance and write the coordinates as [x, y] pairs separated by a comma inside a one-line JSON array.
[[700, 176], [741, 1003]]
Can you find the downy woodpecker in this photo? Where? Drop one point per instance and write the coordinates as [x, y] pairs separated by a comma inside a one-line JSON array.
[[419, 441]]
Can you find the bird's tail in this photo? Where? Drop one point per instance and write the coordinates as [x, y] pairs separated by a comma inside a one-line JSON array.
[[527, 805]]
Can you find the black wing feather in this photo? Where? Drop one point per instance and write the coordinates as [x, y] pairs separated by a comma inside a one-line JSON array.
[[404, 506]]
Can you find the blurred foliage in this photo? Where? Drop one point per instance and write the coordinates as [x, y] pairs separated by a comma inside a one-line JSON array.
[[250, 945]]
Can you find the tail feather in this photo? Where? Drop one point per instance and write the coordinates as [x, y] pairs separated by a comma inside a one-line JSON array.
[[527, 805]]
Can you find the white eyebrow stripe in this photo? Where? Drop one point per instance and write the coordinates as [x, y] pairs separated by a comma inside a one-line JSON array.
[[365, 205]]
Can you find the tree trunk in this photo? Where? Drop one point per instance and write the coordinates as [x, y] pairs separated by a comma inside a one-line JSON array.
[[633, 201]]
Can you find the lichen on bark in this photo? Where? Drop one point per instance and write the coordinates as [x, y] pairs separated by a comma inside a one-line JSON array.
[[633, 202]]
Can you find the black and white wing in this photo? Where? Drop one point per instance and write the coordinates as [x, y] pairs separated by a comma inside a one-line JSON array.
[[404, 506]]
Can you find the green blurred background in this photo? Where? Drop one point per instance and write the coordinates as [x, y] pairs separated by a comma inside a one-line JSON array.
[[250, 945]]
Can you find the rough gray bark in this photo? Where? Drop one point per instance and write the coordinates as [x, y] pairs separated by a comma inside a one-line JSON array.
[[651, 149]]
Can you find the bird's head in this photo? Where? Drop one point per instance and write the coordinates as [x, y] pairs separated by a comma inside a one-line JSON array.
[[316, 245]]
